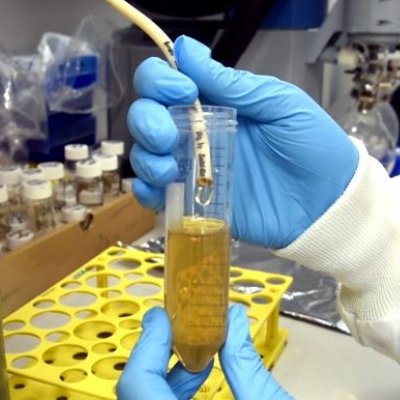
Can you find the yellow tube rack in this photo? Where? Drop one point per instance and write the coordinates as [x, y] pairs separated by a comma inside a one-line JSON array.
[[72, 341]]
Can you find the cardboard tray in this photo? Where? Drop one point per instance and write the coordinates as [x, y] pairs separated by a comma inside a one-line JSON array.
[[30, 270]]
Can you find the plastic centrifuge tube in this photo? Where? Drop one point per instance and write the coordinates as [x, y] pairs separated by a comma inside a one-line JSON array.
[[198, 242], [198, 124]]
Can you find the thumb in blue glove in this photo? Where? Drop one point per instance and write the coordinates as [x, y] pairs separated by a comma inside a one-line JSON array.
[[145, 375], [292, 161], [246, 374]]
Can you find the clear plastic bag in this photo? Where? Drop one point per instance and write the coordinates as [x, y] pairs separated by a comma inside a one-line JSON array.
[[77, 71], [22, 110]]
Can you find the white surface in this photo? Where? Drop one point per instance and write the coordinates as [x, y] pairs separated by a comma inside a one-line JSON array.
[[322, 364], [318, 363]]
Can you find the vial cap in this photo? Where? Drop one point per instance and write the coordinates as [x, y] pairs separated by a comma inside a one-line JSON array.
[[37, 189], [3, 193], [126, 185], [112, 147], [108, 162], [18, 238], [74, 213], [90, 168], [10, 175], [52, 170], [32, 174], [76, 152]]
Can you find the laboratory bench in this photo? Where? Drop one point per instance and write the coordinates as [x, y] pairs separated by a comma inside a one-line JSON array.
[[320, 363]]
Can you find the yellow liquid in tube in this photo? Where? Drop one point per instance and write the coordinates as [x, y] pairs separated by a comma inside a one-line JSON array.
[[196, 295]]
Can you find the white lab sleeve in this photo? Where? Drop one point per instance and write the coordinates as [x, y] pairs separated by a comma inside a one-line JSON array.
[[357, 241]]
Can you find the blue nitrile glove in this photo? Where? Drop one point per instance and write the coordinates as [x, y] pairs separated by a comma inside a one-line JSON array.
[[145, 374], [292, 161], [246, 374]]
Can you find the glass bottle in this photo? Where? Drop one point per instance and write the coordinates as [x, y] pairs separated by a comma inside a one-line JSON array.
[[110, 175], [54, 172], [73, 153], [88, 183], [10, 177], [40, 207]]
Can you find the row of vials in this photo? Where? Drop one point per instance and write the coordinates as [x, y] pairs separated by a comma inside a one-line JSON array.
[[34, 201]]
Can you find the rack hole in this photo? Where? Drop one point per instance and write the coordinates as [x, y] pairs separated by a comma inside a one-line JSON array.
[[21, 343], [143, 289], [124, 264], [247, 286]]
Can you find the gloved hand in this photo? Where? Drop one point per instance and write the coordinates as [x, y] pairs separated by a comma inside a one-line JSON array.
[[292, 161], [246, 374], [145, 374]]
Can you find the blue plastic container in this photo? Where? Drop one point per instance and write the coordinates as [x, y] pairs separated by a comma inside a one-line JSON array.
[[296, 14]]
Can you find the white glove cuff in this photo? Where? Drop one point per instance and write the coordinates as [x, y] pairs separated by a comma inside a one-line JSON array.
[[357, 241]]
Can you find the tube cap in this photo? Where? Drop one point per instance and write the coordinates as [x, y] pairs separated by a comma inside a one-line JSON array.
[[18, 238], [75, 213], [108, 162], [112, 147], [37, 189], [32, 174], [3, 193], [52, 170], [10, 175], [76, 152], [90, 168]]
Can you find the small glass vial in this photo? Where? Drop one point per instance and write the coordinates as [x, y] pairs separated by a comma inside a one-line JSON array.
[[39, 201], [10, 177], [110, 176], [88, 182], [4, 220], [73, 153], [113, 148], [54, 172]]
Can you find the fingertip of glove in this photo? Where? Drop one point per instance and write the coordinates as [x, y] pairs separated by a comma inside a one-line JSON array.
[[238, 329], [188, 51], [148, 196], [155, 79], [237, 312], [155, 315]]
